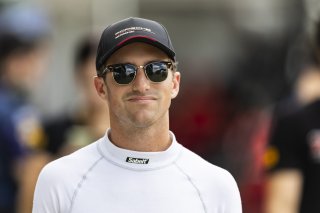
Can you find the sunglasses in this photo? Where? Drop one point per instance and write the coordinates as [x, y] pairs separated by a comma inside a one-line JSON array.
[[124, 74]]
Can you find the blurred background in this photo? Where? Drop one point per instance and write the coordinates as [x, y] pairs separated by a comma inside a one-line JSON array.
[[238, 59]]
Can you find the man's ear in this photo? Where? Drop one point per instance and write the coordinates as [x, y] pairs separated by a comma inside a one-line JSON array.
[[175, 84], [100, 86]]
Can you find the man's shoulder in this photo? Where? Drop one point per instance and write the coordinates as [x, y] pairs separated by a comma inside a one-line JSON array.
[[200, 169], [73, 165], [212, 182], [60, 179]]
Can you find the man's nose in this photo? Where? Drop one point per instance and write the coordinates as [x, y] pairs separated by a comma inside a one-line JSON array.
[[141, 83]]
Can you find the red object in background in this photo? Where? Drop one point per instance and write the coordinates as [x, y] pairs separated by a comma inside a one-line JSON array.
[[199, 117], [244, 147]]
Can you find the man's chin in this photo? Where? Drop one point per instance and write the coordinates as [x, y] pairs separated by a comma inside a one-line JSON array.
[[142, 122]]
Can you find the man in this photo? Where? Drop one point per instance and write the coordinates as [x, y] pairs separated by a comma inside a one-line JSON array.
[[292, 184], [293, 155], [138, 166], [294, 158], [24, 34]]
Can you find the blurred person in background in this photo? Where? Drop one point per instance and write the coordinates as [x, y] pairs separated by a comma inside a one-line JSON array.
[[24, 37], [293, 155], [70, 131], [89, 119]]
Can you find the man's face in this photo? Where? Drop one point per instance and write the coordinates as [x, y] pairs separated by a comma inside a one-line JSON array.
[[141, 103]]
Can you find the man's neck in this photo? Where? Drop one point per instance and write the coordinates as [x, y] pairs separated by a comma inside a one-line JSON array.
[[150, 139]]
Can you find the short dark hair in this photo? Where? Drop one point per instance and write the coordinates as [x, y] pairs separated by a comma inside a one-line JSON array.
[[22, 29], [85, 49]]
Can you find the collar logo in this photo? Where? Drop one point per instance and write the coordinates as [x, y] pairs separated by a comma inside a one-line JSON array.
[[137, 160]]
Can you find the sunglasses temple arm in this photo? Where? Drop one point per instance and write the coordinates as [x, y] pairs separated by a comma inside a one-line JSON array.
[[104, 71], [175, 65]]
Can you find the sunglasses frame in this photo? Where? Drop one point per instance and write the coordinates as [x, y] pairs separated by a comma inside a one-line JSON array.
[[110, 68]]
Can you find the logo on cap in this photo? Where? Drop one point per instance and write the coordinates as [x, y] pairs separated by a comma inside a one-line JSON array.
[[131, 30]]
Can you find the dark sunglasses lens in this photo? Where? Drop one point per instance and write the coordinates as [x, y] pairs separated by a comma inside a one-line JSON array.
[[157, 71], [124, 74]]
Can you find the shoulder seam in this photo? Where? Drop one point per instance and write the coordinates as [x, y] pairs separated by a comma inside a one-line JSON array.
[[193, 184], [82, 180]]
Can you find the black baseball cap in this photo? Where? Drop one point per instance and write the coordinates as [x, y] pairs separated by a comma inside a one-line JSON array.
[[132, 30]]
